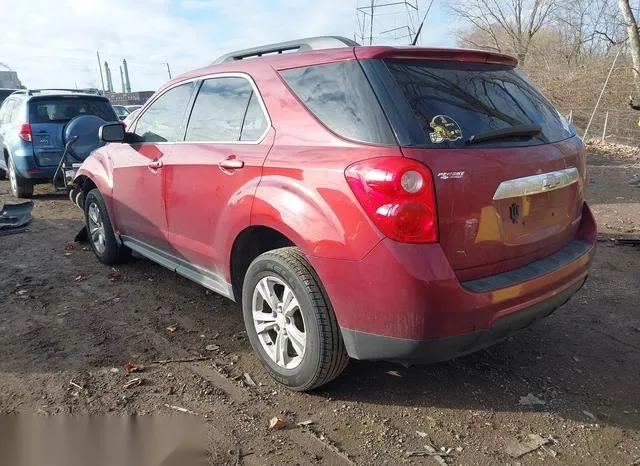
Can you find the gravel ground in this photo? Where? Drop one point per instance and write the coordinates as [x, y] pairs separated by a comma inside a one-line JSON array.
[[572, 380]]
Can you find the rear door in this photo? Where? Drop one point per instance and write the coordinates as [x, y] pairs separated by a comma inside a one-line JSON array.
[[212, 176], [48, 116], [504, 201]]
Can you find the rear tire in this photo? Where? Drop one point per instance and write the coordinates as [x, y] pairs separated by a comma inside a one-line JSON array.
[[101, 236], [20, 187], [296, 311]]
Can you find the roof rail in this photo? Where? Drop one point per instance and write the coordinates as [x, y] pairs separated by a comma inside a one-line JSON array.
[[54, 90], [299, 45]]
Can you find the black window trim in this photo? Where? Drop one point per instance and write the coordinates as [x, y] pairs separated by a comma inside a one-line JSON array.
[[255, 91]]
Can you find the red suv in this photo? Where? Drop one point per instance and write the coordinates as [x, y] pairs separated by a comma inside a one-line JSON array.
[[380, 203]]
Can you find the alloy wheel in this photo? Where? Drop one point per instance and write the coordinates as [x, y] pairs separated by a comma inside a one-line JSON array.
[[96, 228], [278, 321], [12, 177]]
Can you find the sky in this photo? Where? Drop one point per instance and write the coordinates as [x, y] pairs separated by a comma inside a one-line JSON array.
[[54, 43]]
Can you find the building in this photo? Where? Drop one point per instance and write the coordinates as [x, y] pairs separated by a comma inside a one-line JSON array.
[[128, 98], [9, 78]]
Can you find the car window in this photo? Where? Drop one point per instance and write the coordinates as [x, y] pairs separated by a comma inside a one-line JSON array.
[[161, 120], [453, 101], [63, 109], [219, 110], [6, 111], [340, 96], [255, 123]]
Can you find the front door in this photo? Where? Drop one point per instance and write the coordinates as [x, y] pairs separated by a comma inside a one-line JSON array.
[[138, 187], [212, 176]]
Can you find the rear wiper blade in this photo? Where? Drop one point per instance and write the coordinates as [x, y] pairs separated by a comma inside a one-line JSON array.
[[512, 132]]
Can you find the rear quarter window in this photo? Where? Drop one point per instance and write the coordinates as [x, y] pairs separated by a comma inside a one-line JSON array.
[[475, 98], [339, 95]]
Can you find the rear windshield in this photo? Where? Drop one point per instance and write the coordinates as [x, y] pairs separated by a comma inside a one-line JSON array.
[[64, 109], [453, 101]]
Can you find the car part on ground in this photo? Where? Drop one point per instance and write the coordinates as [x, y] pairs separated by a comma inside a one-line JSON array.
[[15, 217], [411, 204]]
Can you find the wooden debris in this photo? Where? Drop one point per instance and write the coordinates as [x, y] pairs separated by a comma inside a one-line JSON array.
[[277, 423], [133, 382]]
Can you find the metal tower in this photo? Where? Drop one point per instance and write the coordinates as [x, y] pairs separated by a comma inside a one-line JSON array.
[[127, 83], [107, 72], [386, 21]]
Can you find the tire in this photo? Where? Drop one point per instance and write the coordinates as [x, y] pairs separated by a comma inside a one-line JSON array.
[[323, 357], [103, 241], [20, 187]]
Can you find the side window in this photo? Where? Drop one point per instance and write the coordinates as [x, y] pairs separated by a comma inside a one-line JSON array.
[[339, 95], [219, 110], [6, 111], [161, 121], [15, 110], [255, 123]]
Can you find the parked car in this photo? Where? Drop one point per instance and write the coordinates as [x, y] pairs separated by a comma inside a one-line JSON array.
[[380, 203], [32, 123], [4, 93], [132, 108], [121, 111], [130, 117]]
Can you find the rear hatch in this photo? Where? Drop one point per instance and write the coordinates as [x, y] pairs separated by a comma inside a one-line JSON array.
[[48, 116], [507, 167]]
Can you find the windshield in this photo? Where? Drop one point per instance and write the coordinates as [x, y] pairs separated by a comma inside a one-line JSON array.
[[66, 108], [454, 101], [120, 110]]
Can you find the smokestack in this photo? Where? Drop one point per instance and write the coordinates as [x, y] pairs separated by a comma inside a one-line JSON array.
[[107, 72], [127, 83], [122, 79]]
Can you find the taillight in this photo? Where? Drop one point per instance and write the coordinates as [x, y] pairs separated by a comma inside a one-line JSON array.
[[25, 132], [398, 196]]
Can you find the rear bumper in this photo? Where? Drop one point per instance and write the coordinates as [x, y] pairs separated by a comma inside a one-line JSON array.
[[404, 301], [368, 346], [27, 168]]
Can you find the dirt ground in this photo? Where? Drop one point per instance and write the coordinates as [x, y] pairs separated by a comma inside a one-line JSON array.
[[574, 379]]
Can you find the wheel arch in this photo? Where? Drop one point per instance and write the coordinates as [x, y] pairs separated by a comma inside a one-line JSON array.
[[249, 244]]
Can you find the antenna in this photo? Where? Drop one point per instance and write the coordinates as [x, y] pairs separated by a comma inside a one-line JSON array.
[[387, 21]]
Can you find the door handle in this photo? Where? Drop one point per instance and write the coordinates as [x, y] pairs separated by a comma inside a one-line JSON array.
[[155, 164], [231, 164]]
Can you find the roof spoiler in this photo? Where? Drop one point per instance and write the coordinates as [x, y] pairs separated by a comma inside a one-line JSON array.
[[299, 45]]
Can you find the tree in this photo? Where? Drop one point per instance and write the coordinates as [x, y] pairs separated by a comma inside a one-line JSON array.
[[634, 38], [513, 23]]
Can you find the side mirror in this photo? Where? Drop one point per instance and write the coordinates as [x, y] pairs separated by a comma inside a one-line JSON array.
[[112, 132]]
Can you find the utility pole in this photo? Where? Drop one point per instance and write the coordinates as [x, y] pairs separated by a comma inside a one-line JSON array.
[[371, 33], [100, 68], [168, 70]]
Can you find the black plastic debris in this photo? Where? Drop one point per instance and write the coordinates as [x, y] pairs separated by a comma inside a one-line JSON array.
[[14, 218]]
